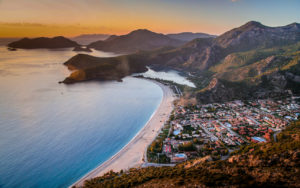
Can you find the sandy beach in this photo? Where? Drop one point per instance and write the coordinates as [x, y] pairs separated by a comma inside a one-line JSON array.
[[132, 154]]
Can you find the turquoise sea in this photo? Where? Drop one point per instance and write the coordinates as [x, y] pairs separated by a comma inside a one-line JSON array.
[[52, 134]]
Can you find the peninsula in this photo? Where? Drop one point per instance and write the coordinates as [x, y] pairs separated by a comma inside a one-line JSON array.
[[86, 67]]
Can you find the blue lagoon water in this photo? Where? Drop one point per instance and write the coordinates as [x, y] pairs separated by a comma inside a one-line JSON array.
[[170, 75], [52, 134]]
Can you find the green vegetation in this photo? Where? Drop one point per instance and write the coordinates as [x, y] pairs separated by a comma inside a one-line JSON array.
[[189, 146], [155, 149], [251, 74], [251, 65]]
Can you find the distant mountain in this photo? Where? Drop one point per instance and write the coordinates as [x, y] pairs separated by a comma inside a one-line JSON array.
[[89, 38], [43, 42], [201, 54], [251, 61], [189, 36], [137, 40]]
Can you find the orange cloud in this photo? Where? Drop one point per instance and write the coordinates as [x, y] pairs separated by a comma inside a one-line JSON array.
[[38, 30]]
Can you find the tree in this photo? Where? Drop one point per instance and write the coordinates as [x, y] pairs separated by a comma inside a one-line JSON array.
[[187, 147]]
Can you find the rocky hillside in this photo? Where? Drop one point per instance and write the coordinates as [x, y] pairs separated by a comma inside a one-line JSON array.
[[273, 164], [43, 42], [259, 73], [255, 35], [201, 55], [135, 41]]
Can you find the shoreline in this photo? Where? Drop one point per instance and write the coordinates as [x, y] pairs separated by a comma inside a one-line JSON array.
[[132, 154]]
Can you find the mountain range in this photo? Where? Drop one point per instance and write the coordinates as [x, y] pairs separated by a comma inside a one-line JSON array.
[[87, 39], [200, 54], [236, 64], [143, 40], [138, 40], [135, 41]]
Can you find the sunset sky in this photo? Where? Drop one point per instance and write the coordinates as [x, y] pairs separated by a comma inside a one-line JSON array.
[[32, 18]]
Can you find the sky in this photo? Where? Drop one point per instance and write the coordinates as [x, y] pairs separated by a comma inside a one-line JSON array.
[[34, 18]]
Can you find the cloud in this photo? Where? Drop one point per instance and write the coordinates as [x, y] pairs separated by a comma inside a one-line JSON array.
[[234, 0]]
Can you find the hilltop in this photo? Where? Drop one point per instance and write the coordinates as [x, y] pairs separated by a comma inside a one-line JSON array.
[[135, 41]]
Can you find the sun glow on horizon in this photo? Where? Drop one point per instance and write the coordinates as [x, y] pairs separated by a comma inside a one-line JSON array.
[[36, 18], [11, 30]]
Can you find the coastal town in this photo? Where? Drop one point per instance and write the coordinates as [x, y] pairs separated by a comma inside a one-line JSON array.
[[218, 129]]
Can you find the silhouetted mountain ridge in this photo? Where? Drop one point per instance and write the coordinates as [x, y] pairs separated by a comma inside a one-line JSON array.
[[141, 39], [43, 42], [189, 36]]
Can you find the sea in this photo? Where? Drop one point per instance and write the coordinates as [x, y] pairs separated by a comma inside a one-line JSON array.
[[52, 134]]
